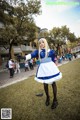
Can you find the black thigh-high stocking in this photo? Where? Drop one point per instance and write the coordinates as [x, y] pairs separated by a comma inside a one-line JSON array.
[[55, 103], [46, 90], [54, 87], [47, 94]]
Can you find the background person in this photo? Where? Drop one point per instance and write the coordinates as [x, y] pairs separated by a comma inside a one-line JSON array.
[[26, 65], [17, 67], [11, 67]]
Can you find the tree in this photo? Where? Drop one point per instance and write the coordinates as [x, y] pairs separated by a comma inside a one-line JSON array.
[[59, 36], [72, 37], [6, 12], [22, 27], [56, 38]]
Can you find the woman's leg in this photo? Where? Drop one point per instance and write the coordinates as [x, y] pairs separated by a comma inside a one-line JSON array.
[[55, 103], [54, 87], [10, 72], [47, 94]]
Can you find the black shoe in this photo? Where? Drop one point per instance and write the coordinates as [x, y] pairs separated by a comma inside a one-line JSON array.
[[11, 76], [54, 104], [47, 101]]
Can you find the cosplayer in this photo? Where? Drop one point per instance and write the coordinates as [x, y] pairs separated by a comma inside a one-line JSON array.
[[47, 72]]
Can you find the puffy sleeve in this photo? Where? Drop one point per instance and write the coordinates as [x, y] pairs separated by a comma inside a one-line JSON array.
[[52, 55], [32, 55]]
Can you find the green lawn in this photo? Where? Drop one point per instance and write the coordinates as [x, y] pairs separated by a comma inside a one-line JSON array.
[[21, 97]]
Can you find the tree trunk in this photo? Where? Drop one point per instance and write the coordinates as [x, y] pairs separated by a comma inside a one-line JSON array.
[[0, 60], [10, 48], [10, 51]]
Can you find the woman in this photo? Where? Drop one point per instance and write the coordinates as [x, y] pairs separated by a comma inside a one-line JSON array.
[[47, 72]]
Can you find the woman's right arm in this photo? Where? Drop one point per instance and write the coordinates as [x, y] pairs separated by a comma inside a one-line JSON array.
[[32, 55]]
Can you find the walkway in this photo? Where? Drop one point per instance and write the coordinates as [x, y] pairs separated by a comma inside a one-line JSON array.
[[6, 81]]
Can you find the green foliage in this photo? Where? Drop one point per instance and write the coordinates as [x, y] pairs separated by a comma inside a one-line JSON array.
[[6, 12], [62, 34], [17, 17], [65, 31], [72, 37], [58, 37], [7, 35], [21, 17]]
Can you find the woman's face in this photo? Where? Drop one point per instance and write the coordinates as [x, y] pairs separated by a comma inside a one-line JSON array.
[[41, 44]]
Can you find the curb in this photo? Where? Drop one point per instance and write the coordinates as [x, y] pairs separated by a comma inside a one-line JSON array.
[[13, 82]]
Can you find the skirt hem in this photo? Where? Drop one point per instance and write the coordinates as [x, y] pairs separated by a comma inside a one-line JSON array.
[[49, 81]]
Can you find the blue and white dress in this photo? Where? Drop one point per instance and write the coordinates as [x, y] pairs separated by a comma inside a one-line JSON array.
[[47, 71]]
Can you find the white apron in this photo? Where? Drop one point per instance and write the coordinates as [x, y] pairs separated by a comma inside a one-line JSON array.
[[47, 72]]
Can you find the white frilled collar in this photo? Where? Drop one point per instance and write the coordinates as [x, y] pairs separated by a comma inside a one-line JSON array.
[[48, 50]]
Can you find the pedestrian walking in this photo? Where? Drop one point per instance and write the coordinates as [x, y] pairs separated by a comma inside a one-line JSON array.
[[17, 67], [31, 64], [11, 68], [26, 65]]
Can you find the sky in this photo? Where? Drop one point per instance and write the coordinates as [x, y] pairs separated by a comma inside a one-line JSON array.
[[57, 13]]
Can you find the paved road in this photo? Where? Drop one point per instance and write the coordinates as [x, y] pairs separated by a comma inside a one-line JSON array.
[[6, 81]]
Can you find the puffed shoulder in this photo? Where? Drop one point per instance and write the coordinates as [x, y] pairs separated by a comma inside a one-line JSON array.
[[34, 54], [52, 51]]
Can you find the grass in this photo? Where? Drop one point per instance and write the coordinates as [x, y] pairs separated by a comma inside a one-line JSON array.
[[21, 97]]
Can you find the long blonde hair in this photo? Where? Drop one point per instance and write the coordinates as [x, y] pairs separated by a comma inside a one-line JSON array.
[[46, 47]]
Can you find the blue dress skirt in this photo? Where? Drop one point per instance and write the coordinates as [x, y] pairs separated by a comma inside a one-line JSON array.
[[47, 72]]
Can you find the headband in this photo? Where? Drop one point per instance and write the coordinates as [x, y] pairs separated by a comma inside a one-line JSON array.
[[42, 39]]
